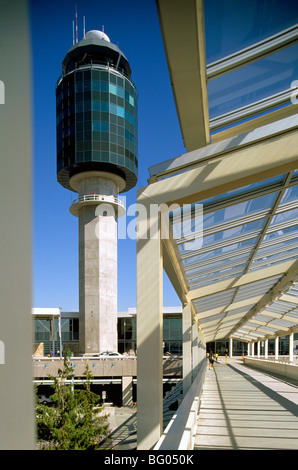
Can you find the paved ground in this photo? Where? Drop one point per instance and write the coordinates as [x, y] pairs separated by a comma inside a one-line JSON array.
[[243, 408], [123, 421], [123, 428]]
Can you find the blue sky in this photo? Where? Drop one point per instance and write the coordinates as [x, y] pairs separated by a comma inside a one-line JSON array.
[[134, 26]]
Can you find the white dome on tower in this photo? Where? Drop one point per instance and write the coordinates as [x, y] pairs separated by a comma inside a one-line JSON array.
[[95, 34]]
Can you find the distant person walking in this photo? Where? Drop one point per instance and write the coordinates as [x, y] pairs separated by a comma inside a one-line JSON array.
[[211, 360]]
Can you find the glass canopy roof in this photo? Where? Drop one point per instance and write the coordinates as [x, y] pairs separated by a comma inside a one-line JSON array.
[[251, 55], [249, 240], [251, 229], [237, 25]]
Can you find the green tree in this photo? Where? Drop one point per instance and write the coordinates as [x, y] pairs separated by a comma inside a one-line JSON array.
[[73, 423]]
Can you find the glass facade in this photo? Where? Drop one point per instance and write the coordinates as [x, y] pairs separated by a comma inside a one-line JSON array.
[[48, 334], [127, 338], [127, 341], [172, 336], [97, 123], [42, 330]]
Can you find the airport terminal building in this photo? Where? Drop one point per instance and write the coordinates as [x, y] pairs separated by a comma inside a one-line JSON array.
[[55, 331]]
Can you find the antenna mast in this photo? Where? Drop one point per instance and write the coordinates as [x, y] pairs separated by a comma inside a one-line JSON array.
[[77, 39], [83, 26]]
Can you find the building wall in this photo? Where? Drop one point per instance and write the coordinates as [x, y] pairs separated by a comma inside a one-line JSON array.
[[127, 342], [172, 334]]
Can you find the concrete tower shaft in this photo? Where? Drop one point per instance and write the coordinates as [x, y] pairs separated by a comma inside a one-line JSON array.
[[97, 281], [97, 158], [97, 208]]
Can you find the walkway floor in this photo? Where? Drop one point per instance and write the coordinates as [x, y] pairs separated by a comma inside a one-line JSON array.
[[245, 409]]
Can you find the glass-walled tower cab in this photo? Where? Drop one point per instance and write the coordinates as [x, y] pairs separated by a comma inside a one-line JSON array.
[[97, 112], [97, 157]]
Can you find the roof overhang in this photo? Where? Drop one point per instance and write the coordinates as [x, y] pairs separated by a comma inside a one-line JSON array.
[[247, 262], [46, 312], [183, 33], [224, 307]]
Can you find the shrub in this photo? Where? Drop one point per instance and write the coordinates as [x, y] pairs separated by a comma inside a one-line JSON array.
[[73, 423]]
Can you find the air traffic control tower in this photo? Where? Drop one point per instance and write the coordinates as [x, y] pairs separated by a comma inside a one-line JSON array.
[[97, 158]]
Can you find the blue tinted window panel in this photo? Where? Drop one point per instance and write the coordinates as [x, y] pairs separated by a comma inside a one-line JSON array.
[[290, 195], [216, 266], [220, 299], [253, 82], [255, 288], [284, 217], [217, 277], [79, 86], [104, 107], [112, 89], [255, 21], [288, 231], [226, 235], [120, 111], [239, 210], [228, 249], [274, 259], [245, 189], [276, 247], [95, 105]]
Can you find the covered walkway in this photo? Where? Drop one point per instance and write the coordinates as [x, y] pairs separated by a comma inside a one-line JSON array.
[[224, 228], [242, 409]]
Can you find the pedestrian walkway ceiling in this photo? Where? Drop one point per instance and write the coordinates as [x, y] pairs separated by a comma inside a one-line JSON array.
[[231, 248]]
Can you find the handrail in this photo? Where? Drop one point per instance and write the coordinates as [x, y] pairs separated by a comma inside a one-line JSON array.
[[180, 432], [98, 197]]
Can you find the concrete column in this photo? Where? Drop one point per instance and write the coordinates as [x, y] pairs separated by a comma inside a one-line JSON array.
[[252, 349], [195, 351], [266, 349], [276, 347], [149, 329], [127, 383], [97, 281], [187, 347], [231, 347], [97, 260], [201, 347], [259, 348], [17, 400], [291, 347], [248, 349]]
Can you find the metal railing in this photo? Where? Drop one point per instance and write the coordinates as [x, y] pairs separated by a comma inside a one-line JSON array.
[[99, 197], [180, 432], [93, 65]]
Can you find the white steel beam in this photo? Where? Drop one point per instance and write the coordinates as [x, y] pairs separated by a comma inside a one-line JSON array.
[[183, 33], [252, 53], [149, 332]]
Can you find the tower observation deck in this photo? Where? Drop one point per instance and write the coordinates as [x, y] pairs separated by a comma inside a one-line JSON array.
[[97, 142]]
